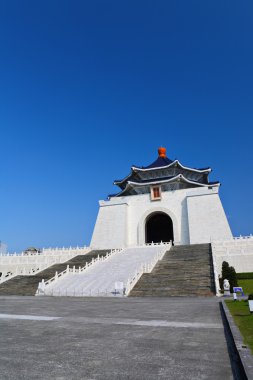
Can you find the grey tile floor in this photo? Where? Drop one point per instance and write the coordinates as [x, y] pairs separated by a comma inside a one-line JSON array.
[[107, 339]]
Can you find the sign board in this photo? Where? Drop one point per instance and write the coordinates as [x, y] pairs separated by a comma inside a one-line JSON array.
[[237, 289], [119, 285]]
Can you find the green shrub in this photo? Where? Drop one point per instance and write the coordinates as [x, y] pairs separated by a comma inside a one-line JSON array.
[[250, 297], [244, 276], [229, 273]]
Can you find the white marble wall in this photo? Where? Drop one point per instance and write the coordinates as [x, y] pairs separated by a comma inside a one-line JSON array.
[[207, 219], [238, 252], [29, 264], [197, 216]]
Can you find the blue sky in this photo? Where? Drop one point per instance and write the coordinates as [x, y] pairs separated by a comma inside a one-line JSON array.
[[88, 88]]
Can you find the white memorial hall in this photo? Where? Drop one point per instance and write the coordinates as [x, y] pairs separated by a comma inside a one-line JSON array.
[[163, 234], [165, 201]]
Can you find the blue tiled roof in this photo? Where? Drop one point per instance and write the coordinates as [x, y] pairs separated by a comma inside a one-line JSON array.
[[159, 162]]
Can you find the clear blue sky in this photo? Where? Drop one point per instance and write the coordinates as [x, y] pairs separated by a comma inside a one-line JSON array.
[[88, 88]]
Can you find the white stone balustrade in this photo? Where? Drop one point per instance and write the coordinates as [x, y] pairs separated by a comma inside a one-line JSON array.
[[146, 268], [42, 287], [30, 264], [216, 275], [45, 251], [238, 252], [103, 273]]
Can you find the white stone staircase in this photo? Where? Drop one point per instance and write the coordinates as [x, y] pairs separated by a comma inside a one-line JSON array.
[[100, 278]]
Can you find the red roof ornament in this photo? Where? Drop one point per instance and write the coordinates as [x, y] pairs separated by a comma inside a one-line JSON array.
[[162, 152]]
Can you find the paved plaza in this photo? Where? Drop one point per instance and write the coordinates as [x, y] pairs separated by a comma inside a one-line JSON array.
[[107, 339]]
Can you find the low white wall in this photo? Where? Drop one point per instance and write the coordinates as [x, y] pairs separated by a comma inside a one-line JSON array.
[[238, 252], [23, 264]]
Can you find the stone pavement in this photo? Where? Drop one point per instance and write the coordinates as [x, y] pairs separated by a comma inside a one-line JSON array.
[[113, 339]]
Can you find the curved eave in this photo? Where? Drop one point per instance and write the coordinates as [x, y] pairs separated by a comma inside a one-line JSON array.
[[174, 179], [117, 182], [176, 162]]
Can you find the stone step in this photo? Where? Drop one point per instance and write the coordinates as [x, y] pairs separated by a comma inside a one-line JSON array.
[[184, 270], [190, 263], [174, 271], [27, 285], [170, 287], [161, 279], [178, 289], [187, 254], [183, 255], [161, 293]]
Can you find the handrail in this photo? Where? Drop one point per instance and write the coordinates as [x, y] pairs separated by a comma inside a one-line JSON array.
[[23, 273], [160, 243], [43, 284], [12, 266], [234, 239], [146, 268], [243, 237], [216, 276], [44, 251]]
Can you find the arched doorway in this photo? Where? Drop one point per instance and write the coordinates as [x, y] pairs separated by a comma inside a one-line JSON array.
[[159, 227]]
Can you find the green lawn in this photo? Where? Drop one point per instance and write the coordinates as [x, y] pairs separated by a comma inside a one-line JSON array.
[[243, 319], [247, 285]]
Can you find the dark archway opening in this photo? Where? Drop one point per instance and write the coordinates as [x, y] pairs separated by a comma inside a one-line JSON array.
[[159, 227]]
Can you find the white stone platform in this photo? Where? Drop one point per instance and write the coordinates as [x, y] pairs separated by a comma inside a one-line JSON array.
[[29, 264], [100, 278]]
